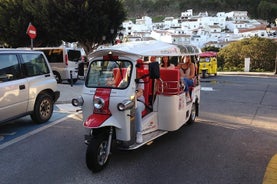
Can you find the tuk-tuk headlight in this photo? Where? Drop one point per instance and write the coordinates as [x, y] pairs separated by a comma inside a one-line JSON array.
[[98, 103], [77, 101]]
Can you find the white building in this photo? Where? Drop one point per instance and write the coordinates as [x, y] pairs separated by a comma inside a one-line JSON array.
[[162, 35], [200, 30], [142, 25], [145, 22], [212, 21], [259, 31], [187, 13], [127, 27], [237, 15]]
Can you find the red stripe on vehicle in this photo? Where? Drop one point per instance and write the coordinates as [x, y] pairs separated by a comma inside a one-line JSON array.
[[95, 120], [103, 93], [99, 116]]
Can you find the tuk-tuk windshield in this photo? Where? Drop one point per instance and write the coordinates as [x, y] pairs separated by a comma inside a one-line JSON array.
[[109, 74], [204, 59]]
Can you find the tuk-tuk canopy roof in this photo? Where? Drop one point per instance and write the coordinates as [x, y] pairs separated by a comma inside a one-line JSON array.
[[208, 54], [149, 48]]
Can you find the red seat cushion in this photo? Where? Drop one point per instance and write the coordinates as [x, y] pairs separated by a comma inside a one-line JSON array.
[[170, 84], [147, 87]]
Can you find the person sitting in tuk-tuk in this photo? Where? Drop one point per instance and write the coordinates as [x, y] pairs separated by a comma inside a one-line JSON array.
[[152, 58], [187, 73], [166, 63], [140, 108]]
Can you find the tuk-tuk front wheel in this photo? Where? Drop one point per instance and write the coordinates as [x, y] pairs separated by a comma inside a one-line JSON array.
[[96, 156], [204, 73]]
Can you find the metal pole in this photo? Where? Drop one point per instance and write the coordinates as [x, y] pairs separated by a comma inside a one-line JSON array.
[[32, 44], [71, 78], [275, 72]]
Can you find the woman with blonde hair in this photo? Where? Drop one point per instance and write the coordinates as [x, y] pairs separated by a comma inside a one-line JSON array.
[[187, 73]]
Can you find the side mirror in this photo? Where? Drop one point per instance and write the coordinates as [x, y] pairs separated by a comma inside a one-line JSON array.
[[154, 70]]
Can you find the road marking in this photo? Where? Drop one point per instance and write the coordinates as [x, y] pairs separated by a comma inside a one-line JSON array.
[[270, 176], [4, 145], [207, 89], [66, 108]]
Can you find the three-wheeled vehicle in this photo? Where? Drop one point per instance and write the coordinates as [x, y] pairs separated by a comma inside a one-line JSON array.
[[207, 64], [108, 99]]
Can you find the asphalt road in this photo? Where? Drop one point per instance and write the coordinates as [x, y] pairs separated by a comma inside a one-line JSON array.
[[232, 142]]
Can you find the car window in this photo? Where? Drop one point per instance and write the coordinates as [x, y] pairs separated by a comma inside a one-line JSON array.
[[54, 55], [74, 55], [9, 68], [34, 64]]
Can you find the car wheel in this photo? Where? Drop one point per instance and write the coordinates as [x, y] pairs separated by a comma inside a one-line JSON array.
[[43, 109]]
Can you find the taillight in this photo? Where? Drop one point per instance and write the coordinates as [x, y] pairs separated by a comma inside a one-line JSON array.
[[66, 59]]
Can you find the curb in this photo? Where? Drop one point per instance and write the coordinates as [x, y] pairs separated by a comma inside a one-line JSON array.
[[272, 74]]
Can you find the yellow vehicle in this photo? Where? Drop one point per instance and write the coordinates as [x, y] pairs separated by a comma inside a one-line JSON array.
[[207, 64]]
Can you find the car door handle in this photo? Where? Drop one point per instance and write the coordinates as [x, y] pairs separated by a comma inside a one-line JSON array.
[[21, 87], [47, 75]]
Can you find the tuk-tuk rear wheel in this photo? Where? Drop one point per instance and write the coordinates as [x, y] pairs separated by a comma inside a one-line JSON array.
[[96, 154], [192, 114]]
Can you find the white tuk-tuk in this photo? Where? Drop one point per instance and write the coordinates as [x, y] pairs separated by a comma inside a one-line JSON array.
[[109, 107]]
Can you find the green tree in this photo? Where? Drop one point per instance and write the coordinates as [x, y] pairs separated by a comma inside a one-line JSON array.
[[267, 10], [261, 51], [210, 48], [13, 23], [175, 7], [85, 21]]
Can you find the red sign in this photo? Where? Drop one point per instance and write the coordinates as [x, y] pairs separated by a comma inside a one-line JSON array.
[[32, 31]]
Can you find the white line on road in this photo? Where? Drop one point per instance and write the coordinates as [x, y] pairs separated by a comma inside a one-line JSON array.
[[207, 89]]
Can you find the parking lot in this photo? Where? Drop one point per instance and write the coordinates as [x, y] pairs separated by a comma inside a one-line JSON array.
[[232, 141]]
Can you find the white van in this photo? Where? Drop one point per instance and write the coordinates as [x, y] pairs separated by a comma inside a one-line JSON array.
[[64, 62]]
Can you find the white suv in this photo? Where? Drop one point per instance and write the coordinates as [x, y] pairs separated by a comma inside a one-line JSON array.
[[27, 86]]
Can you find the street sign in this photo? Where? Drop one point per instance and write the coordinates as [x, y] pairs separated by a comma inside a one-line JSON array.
[[32, 31]]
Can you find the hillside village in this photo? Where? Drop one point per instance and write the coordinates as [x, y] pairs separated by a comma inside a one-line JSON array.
[[200, 30]]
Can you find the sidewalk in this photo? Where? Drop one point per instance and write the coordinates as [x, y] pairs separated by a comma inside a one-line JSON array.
[[67, 92], [248, 73]]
